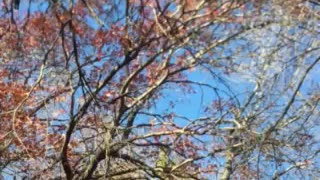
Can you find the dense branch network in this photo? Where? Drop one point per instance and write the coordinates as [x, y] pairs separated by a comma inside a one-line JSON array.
[[104, 89]]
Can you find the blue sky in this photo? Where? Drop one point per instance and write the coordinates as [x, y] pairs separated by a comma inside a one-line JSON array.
[[192, 105]]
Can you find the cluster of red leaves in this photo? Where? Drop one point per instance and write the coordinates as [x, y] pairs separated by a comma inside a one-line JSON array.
[[23, 135]]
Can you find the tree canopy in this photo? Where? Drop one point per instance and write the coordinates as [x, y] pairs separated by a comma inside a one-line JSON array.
[[159, 89]]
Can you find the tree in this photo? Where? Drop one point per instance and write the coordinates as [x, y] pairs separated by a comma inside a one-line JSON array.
[[104, 89]]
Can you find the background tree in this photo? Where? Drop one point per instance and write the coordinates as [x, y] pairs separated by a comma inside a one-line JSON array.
[[170, 89]]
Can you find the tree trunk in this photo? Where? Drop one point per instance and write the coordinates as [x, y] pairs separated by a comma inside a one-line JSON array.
[[228, 167]]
